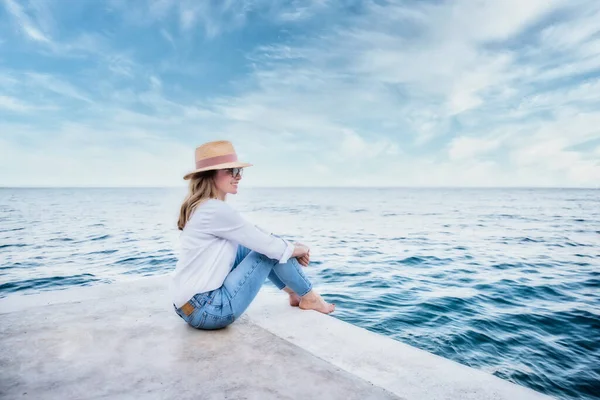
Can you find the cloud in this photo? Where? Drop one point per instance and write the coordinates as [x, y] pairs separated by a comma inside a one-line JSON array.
[[55, 85], [12, 104], [549, 149], [421, 94], [103, 154], [25, 22], [301, 10], [215, 18], [420, 76], [167, 36], [581, 38], [469, 147], [355, 147]]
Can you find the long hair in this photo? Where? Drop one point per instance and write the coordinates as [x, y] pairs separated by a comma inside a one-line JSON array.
[[202, 187]]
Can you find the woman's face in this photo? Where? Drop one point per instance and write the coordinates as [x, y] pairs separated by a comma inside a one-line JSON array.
[[227, 181]]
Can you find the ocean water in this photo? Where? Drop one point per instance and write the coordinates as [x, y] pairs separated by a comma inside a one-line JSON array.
[[503, 280]]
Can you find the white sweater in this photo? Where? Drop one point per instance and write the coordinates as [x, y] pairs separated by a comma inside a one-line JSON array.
[[209, 244]]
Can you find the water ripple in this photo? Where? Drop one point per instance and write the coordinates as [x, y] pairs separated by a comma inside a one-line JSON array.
[[503, 280]]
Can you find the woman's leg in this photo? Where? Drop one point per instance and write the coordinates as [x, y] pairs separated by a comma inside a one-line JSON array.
[[294, 298], [242, 252], [292, 275], [245, 280]]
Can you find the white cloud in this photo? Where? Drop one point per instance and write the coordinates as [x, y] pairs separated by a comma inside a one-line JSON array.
[[548, 148], [469, 147], [167, 36], [217, 17], [436, 64], [488, 20], [300, 10], [354, 147], [12, 104], [584, 92], [92, 155], [569, 37], [58, 86], [409, 94], [25, 23]]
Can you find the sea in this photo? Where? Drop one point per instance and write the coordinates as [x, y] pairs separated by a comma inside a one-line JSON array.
[[503, 280]]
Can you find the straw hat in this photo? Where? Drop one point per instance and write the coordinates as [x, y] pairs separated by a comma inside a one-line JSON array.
[[216, 155]]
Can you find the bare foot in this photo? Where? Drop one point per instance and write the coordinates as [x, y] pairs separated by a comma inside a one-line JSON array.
[[294, 300], [314, 301]]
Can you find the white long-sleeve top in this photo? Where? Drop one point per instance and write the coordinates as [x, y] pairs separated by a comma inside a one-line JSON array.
[[208, 246]]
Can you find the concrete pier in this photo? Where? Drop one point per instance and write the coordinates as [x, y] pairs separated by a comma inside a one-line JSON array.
[[124, 340]]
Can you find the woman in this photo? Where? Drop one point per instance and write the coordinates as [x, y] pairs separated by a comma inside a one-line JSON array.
[[224, 258]]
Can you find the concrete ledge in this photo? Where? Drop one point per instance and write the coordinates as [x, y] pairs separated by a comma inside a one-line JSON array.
[[124, 340], [408, 372]]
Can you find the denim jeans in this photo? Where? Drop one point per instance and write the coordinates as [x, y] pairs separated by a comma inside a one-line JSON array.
[[218, 308]]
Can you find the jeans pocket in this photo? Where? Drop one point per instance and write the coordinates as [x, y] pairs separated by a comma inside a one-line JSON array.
[[196, 318], [210, 321]]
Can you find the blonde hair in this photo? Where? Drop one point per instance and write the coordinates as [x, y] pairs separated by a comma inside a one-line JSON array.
[[201, 188]]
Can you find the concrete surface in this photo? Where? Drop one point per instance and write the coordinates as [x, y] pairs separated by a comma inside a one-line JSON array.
[[124, 340]]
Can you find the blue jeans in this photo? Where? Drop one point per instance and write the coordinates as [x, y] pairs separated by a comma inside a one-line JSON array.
[[218, 308]]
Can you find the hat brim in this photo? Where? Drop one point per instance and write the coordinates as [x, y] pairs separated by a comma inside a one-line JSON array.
[[218, 166]]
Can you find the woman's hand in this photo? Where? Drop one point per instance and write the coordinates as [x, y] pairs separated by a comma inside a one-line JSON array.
[[305, 259], [302, 253]]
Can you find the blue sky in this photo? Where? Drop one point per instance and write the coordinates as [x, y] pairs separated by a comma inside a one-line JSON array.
[[313, 93]]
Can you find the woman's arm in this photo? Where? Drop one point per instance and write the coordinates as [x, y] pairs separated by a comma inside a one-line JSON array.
[[229, 224], [300, 249]]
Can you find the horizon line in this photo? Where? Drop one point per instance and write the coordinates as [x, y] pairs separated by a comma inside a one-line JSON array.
[[309, 187]]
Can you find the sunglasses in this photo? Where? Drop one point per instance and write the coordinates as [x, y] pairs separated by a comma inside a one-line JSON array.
[[235, 171]]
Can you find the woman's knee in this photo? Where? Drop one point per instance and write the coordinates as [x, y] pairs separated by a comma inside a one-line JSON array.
[[263, 258], [243, 250]]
